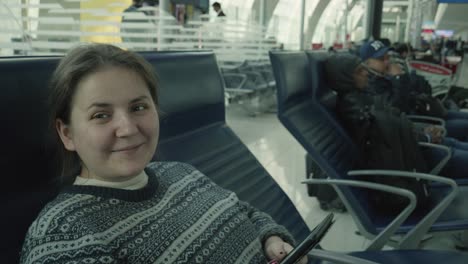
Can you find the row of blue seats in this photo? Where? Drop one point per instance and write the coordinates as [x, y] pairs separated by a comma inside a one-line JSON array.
[[306, 107], [252, 85], [193, 130], [258, 75]]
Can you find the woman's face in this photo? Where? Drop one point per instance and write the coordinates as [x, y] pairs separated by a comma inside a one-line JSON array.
[[114, 126]]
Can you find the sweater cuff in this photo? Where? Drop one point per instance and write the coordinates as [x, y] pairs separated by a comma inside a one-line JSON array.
[[279, 231]]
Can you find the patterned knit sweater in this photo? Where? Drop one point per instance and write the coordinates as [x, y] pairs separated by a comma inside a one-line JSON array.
[[181, 216]]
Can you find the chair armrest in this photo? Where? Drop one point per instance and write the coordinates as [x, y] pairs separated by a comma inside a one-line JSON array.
[[381, 239], [427, 119], [436, 170], [241, 77], [441, 89], [252, 74], [414, 236], [238, 91], [256, 77], [267, 75], [337, 258]]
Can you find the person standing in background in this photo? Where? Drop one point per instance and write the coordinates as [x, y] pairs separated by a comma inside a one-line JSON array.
[[217, 8], [135, 5]]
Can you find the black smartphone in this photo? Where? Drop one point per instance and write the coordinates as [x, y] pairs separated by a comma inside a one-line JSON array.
[[310, 242]]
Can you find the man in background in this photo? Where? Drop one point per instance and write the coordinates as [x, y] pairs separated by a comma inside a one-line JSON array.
[[217, 8], [409, 92], [134, 7]]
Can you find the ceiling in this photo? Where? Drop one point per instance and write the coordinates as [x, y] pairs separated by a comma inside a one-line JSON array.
[[455, 17]]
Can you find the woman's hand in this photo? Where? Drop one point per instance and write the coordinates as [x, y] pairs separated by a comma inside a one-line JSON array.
[[277, 249]]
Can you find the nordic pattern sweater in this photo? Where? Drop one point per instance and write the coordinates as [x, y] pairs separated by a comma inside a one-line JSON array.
[[180, 216]]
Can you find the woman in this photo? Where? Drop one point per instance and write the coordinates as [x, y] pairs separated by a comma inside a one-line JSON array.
[[121, 207]]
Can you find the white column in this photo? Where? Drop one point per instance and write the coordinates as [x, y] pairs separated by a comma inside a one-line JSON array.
[[397, 29], [301, 27], [409, 14], [367, 18], [345, 24], [261, 12], [163, 6]]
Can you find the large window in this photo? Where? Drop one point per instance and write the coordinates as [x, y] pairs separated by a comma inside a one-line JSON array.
[[11, 26], [342, 21], [336, 19], [51, 27], [285, 22]]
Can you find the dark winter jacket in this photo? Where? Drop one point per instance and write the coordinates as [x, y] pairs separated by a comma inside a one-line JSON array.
[[410, 93], [382, 132]]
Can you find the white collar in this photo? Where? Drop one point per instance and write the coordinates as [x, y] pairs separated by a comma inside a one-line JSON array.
[[135, 183]]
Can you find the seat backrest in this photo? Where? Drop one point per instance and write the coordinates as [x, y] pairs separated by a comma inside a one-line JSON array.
[[321, 90], [292, 70], [27, 156], [193, 130], [26, 149], [315, 127]]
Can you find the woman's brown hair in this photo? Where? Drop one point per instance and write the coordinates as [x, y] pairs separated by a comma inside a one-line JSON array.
[[78, 63]]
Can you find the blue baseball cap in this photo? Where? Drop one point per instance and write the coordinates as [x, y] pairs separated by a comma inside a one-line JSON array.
[[373, 49]]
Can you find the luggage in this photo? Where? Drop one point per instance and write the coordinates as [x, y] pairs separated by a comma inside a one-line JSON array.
[[326, 195]]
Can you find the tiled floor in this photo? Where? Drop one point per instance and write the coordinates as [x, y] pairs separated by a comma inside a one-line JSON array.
[[284, 159]]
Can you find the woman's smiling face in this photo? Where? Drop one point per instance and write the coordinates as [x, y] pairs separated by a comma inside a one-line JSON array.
[[114, 125]]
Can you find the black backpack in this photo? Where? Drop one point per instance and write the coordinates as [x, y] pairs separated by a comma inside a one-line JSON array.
[[390, 144]]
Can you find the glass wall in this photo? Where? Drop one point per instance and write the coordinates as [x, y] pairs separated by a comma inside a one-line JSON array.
[[51, 27], [11, 26], [340, 21], [37, 27], [285, 22]]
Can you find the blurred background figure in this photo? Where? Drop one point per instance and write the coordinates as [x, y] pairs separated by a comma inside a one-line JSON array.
[[217, 8]]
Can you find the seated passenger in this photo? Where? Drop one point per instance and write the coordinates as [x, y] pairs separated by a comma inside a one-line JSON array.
[[409, 92], [120, 207], [384, 135]]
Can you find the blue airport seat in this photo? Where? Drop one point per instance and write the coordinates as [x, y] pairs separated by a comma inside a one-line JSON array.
[[27, 157], [390, 257], [193, 130], [306, 109], [413, 256], [235, 81], [264, 68], [252, 85]]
